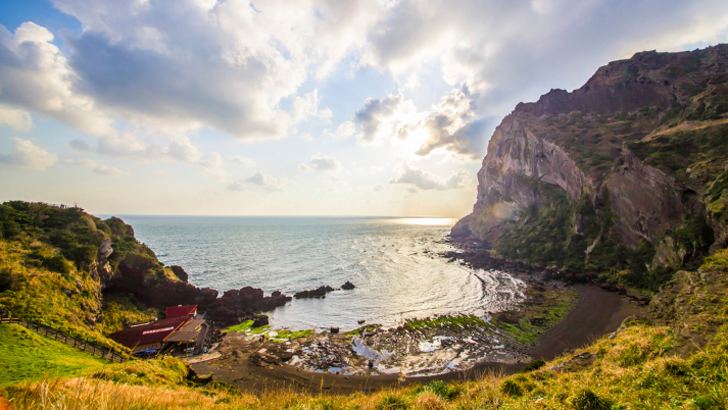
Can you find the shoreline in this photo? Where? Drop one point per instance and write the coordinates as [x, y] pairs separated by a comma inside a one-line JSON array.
[[597, 313]]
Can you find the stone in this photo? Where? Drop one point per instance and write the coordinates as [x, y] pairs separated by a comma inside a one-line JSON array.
[[348, 286]]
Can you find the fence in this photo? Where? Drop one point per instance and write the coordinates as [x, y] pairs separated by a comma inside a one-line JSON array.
[[69, 340]]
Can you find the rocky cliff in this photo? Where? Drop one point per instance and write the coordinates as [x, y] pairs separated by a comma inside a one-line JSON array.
[[635, 159]]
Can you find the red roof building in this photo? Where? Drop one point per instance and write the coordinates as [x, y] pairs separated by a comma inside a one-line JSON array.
[[180, 311], [151, 335]]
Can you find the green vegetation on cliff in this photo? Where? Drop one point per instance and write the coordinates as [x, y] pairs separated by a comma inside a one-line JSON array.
[[56, 266]]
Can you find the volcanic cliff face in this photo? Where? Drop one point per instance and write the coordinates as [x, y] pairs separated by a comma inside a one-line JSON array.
[[642, 142]]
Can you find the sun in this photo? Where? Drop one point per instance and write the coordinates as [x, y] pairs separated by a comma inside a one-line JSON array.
[[414, 141]]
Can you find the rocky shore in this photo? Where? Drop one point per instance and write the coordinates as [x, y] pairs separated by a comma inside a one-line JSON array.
[[436, 346]]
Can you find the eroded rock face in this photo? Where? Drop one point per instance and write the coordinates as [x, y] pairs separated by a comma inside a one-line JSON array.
[[516, 155], [646, 201]]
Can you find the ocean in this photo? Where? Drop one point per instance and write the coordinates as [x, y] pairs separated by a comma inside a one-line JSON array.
[[394, 263]]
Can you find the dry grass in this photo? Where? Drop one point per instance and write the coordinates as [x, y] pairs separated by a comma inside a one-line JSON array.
[[86, 394]]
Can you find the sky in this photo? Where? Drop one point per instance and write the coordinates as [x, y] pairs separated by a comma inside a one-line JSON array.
[[312, 107]]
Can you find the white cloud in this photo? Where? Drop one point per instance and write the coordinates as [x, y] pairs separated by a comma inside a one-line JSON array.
[[98, 167], [15, 118], [268, 182], [35, 75], [345, 130], [212, 166], [244, 161], [323, 163], [27, 155], [308, 106], [236, 187], [415, 177], [304, 167]]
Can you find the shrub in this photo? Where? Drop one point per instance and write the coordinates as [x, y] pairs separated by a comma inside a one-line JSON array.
[[534, 365], [588, 400], [511, 388]]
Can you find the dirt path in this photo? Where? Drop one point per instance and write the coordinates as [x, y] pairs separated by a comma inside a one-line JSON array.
[[597, 313]]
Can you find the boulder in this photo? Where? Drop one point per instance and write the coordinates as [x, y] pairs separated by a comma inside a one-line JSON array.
[[348, 286]]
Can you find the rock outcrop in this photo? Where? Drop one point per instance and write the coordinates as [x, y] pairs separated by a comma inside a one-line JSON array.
[[314, 293]]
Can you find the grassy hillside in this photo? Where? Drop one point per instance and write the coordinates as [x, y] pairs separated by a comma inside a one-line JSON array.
[[28, 356]]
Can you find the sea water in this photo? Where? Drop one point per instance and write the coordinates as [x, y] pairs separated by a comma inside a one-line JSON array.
[[395, 264]]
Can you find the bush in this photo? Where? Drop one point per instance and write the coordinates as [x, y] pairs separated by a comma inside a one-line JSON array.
[[587, 400], [511, 388], [534, 365]]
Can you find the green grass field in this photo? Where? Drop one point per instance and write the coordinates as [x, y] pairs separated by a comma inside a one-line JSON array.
[[25, 355]]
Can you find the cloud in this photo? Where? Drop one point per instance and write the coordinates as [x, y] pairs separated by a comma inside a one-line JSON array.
[[345, 130], [236, 187], [98, 167], [35, 75], [27, 155], [268, 182], [323, 163], [15, 118], [452, 125], [80, 145], [374, 112], [229, 66], [244, 161], [425, 181], [212, 166], [308, 106], [304, 167]]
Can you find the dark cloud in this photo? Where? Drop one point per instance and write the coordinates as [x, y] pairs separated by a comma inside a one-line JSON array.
[[374, 112], [80, 145]]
